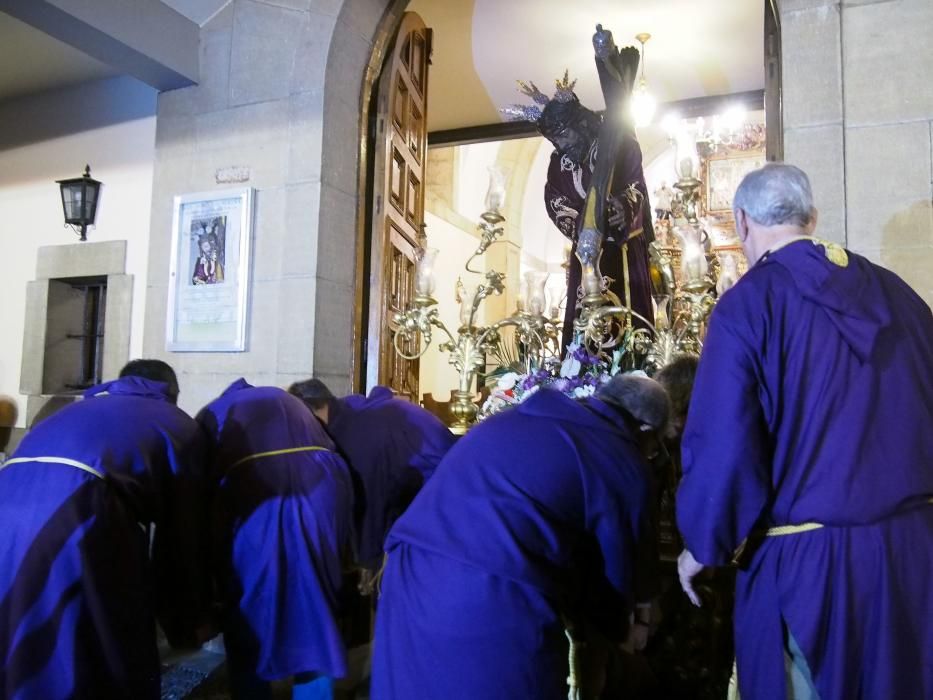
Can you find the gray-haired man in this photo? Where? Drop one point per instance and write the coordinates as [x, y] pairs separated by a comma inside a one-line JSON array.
[[807, 458]]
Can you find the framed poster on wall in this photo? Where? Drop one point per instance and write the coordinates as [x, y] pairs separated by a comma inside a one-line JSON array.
[[722, 177], [208, 291]]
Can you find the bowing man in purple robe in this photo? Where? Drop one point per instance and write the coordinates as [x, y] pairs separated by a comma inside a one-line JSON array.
[[391, 445], [533, 521], [282, 510], [103, 524], [810, 439]]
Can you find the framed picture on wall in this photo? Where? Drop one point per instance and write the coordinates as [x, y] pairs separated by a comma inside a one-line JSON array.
[[208, 290], [723, 175]]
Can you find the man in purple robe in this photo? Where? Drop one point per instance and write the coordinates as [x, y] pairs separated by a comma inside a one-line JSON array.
[[103, 524], [532, 523], [809, 440], [282, 512], [391, 445]]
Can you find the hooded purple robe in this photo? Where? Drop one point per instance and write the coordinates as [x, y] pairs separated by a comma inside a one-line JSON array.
[[392, 446], [814, 403], [282, 526], [79, 592], [536, 513]]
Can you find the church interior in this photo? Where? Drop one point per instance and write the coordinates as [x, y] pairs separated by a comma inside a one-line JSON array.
[[281, 189]]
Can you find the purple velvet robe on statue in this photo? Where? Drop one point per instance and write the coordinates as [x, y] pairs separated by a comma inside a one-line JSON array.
[[814, 403], [79, 594], [392, 446], [537, 512], [283, 523], [564, 198]]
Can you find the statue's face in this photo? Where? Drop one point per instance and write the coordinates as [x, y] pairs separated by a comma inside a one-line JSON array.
[[570, 127], [572, 142]]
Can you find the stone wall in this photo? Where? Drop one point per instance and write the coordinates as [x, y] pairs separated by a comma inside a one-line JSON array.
[[858, 117], [254, 120]]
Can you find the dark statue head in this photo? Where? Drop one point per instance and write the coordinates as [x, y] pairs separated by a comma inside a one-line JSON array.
[[571, 127], [154, 370]]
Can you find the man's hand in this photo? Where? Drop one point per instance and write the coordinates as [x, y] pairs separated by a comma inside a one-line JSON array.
[[687, 569]]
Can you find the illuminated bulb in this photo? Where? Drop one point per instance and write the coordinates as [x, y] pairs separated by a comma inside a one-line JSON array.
[[643, 105]]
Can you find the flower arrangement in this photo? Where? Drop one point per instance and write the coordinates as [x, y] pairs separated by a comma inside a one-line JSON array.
[[578, 375]]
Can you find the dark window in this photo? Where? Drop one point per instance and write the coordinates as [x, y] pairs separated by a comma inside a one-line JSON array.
[[74, 337]]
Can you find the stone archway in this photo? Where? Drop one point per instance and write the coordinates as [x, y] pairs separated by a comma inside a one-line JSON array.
[[362, 34]]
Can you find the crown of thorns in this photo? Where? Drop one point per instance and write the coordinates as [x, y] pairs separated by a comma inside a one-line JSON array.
[[563, 93]]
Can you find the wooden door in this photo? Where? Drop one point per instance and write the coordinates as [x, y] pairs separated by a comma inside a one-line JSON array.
[[398, 206]]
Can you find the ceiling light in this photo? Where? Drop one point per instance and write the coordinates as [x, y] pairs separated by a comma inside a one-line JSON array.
[[643, 102]]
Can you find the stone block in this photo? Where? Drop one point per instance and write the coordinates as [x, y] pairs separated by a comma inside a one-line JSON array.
[[341, 157], [311, 56], [888, 190], [155, 321], [812, 67], [302, 219], [259, 124], [363, 17], [819, 152], [40, 407], [81, 260], [913, 265], [160, 235], [339, 384], [301, 5], [887, 62], [117, 320], [200, 388], [182, 102], [221, 21], [785, 7], [349, 56], [333, 327], [295, 351], [37, 304], [215, 57], [305, 121], [269, 233], [266, 40], [337, 238], [262, 337], [176, 135], [253, 137]]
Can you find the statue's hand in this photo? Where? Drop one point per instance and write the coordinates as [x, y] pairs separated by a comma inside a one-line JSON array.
[[603, 44]]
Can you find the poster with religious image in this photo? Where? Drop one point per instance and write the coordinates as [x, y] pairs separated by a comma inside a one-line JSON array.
[[209, 279], [207, 238]]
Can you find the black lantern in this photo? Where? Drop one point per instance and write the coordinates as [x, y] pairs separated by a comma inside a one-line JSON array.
[[79, 200]]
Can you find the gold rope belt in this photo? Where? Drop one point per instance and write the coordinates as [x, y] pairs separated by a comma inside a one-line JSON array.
[[274, 453], [56, 460], [781, 530]]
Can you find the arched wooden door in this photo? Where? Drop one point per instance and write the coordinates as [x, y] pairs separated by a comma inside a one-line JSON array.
[[401, 140]]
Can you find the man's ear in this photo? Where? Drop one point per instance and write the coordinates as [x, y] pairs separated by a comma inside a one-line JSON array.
[[814, 217], [741, 224]]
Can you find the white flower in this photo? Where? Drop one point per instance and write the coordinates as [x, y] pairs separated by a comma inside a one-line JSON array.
[[508, 381], [570, 367], [529, 392], [583, 391]]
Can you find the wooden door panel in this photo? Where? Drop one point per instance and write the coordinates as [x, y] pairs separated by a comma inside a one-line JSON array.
[[398, 211]]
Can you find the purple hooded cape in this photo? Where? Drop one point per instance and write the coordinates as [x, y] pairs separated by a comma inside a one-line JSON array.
[[537, 512], [814, 403], [282, 525], [79, 594], [392, 446]]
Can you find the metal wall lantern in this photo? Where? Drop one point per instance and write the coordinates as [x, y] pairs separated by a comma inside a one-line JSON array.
[[79, 201]]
